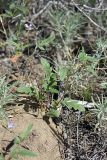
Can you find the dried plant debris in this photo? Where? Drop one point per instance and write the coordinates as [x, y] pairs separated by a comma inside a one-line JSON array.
[[80, 138]]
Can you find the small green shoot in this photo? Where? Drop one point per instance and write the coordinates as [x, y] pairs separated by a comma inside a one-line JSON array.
[[24, 89], [50, 80], [45, 43], [62, 72]]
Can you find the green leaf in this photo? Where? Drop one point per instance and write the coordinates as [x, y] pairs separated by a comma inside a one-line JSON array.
[[42, 44], [83, 56], [8, 14], [53, 113], [45, 85], [14, 151], [45, 64], [26, 132], [17, 140], [1, 157], [24, 89], [26, 153], [62, 72], [53, 90], [69, 103], [12, 6]]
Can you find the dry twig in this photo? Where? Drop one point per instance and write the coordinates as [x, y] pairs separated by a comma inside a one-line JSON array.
[[49, 4], [88, 17]]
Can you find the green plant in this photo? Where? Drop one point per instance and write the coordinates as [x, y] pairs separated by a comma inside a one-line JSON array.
[[50, 79], [62, 72], [15, 12], [14, 45], [82, 74], [32, 91], [49, 85], [17, 150], [6, 96], [100, 109], [70, 103], [103, 85], [66, 25], [14, 8], [101, 51], [45, 43], [49, 88]]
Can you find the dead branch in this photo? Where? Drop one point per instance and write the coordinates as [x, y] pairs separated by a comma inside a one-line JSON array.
[[49, 4], [88, 17]]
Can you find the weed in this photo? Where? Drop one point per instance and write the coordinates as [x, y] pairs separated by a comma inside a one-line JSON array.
[[16, 151], [103, 85], [82, 74], [100, 110], [13, 44], [70, 103], [43, 44], [15, 9], [49, 88], [101, 107], [66, 26], [15, 13], [50, 80], [6, 96], [102, 51]]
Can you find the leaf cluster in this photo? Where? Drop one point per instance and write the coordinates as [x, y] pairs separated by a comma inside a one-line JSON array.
[[6, 95]]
